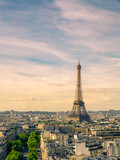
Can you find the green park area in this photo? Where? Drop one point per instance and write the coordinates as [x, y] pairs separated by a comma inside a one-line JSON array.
[[29, 141]]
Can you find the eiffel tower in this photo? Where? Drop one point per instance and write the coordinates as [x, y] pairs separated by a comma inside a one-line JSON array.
[[78, 113]]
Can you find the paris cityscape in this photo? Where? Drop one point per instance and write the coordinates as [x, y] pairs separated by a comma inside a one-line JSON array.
[[60, 80]]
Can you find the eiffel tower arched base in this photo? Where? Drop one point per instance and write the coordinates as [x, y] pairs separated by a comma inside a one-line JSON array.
[[79, 118], [74, 118]]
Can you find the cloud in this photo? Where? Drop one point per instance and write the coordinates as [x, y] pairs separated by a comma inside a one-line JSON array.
[[39, 46], [17, 47], [106, 45], [79, 10], [3, 2], [90, 26]]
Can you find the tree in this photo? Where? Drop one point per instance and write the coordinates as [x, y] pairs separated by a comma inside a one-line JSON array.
[[32, 143], [33, 140], [14, 155], [15, 145], [15, 148], [20, 145], [31, 156], [32, 150], [35, 135], [23, 138]]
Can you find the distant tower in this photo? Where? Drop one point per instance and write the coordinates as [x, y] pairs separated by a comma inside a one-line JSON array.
[[78, 113]]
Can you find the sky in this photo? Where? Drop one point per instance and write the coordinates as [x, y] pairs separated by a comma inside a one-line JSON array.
[[40, 43]]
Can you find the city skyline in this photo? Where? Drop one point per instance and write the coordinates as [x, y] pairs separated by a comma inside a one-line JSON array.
[[40, 43]]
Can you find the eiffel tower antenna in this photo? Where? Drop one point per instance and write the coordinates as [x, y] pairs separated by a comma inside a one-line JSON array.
[[78, 113], [78, 60]]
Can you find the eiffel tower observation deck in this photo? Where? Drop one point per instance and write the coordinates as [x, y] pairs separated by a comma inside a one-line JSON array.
[[78, 112]]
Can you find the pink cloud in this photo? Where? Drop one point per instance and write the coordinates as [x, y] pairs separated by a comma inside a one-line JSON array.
[[76, 10]]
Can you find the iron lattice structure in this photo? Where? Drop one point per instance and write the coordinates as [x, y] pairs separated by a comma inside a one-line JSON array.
[[78, 113]]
